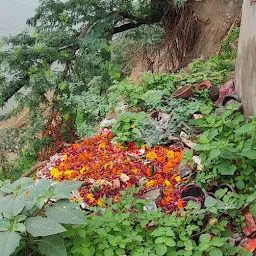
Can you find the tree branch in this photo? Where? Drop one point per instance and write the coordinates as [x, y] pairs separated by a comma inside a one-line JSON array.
[[126, 27], [33, 169], [14, 87]]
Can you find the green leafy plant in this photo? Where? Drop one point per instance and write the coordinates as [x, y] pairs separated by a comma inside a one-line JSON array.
[[227, 148], [126, 128], [126, 228], [31, 214]]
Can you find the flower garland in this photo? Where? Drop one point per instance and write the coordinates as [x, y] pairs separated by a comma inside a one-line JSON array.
[[108, 168]]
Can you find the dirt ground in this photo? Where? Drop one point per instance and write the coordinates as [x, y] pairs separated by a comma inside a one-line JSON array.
[[215, 18]]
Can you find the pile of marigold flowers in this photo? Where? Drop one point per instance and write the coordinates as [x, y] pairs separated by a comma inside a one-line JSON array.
[[107, 168]]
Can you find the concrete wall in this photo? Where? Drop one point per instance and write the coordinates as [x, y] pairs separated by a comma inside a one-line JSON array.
[[245, 79]]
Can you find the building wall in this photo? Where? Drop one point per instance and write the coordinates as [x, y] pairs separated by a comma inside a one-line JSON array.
[[245, 79]]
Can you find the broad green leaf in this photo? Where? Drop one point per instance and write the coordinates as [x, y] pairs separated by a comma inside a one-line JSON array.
[[234, 107], [214, 153], [19, 227], [65, 212], [170, 242], [8, 188], [39, 226], [245, 128], [205, 238], [218, 241], [210, 201], [240, 184], [109, 252], [4, 201], [251, 154], [4, 225], [52, 246], [160, 240], [202, 147], [9, 241], [23, 183], [221, 192], [227, 154], [120, 251], [13, 208], [63, 189], [161, 249], [226, 168], [215, 252], [253, 209], [40, 188]]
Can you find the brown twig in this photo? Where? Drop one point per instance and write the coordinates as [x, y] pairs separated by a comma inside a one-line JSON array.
[[33, 169]]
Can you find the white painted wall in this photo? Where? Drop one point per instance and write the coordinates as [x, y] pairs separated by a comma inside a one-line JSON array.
[[13, 16]]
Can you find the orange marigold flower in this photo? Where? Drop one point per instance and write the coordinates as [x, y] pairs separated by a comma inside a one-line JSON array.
[[169, 199], [148, 172], [75, 146], [180, 204]]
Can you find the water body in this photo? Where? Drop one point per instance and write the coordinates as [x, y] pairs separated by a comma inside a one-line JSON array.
[[13, 16]]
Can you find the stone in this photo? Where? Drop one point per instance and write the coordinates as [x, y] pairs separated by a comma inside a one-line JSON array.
[[185, 139], [150, 208], [154, 195], [116, 183]]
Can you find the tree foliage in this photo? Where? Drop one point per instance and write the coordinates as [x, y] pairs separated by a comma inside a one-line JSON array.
[[75, 34]]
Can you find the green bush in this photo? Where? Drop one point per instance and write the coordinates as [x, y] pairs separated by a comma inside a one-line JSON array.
[[126, 229], [31, 214]]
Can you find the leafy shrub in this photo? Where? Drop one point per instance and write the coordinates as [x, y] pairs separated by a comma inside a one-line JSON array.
[[126, 229], [30, 216], [227, 148], [126, 128]]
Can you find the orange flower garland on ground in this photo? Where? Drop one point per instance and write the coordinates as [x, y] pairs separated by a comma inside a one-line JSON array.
[[108, 168]]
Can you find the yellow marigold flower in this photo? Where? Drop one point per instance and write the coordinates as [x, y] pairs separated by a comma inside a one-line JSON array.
[[110, 164], [55, 173], [100, 202], [170, 155], [143, 147], [102, 145], [135, 171], [150, 183], [90, 197], [83, 170], [178, 178], [167, 183], [65, 157], [151, 155]]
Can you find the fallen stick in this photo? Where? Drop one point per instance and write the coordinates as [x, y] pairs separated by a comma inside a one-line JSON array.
[[33, 169]]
